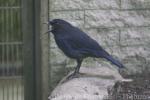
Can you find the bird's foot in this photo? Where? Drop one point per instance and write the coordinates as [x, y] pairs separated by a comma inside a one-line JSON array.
[[73, 75]]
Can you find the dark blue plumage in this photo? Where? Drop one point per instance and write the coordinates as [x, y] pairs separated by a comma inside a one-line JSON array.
[[77, 44]]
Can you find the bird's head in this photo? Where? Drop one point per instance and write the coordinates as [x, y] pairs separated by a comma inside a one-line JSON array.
[[57, 24]]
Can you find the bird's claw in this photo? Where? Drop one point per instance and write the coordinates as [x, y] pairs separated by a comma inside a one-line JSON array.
[[73, 75]]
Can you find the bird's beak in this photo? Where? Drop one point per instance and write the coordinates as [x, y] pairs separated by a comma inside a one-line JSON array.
[[47, 23], [45, 33], [48, 31]]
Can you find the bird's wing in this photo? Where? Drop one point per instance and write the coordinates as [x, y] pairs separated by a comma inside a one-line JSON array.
[[81, 41], [91, 48], [68, 48]]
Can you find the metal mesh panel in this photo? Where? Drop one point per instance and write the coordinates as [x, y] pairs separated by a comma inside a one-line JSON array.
[[11, 74]]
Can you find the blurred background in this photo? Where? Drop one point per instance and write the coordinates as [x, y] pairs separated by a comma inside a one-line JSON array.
[[11, 54]]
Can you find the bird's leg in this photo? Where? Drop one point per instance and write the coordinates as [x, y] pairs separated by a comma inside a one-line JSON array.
[[76, 72], [79, 62]]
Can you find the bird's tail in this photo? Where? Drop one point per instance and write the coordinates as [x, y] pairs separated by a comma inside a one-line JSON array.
[[114, 61]]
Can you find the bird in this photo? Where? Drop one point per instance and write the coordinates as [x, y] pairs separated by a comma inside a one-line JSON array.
[[77, 45]]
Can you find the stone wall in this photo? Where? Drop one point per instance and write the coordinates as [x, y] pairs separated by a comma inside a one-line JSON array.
[[122, 27]]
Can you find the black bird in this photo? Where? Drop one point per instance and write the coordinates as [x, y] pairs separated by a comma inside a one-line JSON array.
[[78, 45]]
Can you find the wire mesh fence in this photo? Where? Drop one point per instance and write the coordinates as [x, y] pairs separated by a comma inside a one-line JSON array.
[[11, 53]]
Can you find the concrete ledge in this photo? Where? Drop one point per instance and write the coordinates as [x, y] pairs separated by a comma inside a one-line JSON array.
[[93, 84]]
